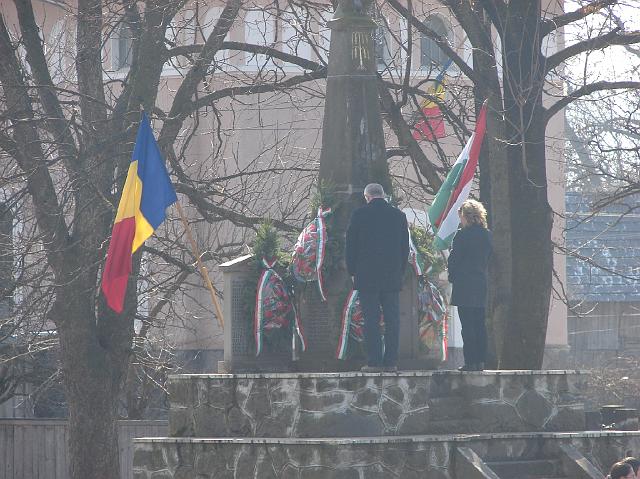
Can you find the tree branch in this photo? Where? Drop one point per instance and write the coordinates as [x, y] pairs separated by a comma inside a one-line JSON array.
[[28, 153], [251, 48], [438, 39], [560, 21], [588, 90], [496, 9], [254, 89], [182, 99], [209, 209], [55, 121], [611, 38], [405, 138]]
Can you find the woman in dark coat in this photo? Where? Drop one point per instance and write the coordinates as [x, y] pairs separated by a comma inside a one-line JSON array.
[[467, 267]]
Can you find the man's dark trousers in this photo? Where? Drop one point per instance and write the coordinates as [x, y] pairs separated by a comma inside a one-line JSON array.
[[371, 302]]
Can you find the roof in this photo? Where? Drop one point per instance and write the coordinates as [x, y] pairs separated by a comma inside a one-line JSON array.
[[610, 239]]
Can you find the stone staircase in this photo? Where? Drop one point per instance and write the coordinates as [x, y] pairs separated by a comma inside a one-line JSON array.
[[427, 424], [528, 469]]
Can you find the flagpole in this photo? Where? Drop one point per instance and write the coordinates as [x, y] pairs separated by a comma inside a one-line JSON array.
[[203, 270]]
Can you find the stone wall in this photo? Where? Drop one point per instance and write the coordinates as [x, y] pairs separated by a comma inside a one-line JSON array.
[[356, 404], [430, 457]]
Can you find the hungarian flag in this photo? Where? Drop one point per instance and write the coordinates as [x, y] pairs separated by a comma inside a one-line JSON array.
[[147, 193], [443, 213], [431, 126]]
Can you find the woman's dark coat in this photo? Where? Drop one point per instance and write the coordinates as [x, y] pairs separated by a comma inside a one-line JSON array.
[[467, 265]]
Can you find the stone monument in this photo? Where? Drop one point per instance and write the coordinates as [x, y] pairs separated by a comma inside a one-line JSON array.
[[353, 150], [353, 155]]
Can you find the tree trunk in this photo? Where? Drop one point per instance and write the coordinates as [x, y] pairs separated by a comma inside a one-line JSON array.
[[531, 218], [95, 355]]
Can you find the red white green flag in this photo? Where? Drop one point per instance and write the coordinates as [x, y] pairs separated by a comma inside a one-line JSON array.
[[443, 213]]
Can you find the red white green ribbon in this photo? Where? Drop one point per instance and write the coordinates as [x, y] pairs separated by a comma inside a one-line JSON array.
[[267, 275], [298, 331], [413, 253], [347, 313], [258, 317], [322, 244]]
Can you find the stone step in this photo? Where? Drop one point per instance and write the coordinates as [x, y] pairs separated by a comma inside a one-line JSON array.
[[409, 457], [532, 468], [456, 426], [374, 404]]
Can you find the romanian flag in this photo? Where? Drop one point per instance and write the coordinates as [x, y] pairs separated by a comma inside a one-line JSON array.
[[443, 213], [147, 193], [432, 125]]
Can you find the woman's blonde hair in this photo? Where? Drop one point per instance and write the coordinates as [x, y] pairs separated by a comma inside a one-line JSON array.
[[474, 212]]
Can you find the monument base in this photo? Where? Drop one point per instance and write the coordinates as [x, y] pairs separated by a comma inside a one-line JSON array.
[[410, 424], [558, 455]]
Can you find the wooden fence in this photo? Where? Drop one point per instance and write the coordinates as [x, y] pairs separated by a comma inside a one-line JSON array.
[[37, 448]]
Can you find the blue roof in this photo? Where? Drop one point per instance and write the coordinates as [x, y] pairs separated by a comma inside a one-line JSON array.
[[610, 239]]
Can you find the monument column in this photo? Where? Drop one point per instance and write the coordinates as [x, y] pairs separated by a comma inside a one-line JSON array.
[[353, 151], [353, 154]]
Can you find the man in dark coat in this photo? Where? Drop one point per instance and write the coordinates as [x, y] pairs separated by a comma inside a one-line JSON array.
[[377, 251]]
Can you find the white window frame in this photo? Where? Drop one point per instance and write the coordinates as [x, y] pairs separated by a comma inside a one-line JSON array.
[[294, 41], [436, 67], [259, 29], [55, 51], [116, 63], [382, 31]]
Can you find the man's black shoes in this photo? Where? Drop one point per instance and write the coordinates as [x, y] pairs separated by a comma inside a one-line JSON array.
[[472, 367], [371, 369], [379, 369]]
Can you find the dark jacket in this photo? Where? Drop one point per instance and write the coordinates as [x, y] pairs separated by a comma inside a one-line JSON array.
[[467, 265], [377, 248]]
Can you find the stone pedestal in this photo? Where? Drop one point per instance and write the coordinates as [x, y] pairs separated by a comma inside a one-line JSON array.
[[434, 425], [320, 329]]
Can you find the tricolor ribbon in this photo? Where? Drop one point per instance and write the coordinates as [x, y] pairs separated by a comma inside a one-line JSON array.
[[258, 319], [347, 313], [258, 316], [413, 252], [322, 244], [297, 326]]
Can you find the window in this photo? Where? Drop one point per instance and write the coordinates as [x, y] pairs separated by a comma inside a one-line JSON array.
[[172, 35], [55, 51], [467, 52], [381, 41], [294, 41], [259, 30], [209, 24], [431, 55], [383, 52], [121, 51]]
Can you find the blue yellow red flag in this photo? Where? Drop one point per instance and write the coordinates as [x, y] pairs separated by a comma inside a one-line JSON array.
[[146, 194]]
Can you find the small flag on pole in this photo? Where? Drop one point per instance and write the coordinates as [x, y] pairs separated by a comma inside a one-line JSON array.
[[147, 193], [443, 213], [431, 126]]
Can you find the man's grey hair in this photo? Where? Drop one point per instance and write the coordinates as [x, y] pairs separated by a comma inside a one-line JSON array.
[[374, 190]]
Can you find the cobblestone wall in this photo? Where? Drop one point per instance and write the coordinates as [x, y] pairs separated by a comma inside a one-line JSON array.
[[406, 457], [355, 404]]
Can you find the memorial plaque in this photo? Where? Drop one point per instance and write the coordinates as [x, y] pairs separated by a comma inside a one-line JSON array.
[[241, 331]]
